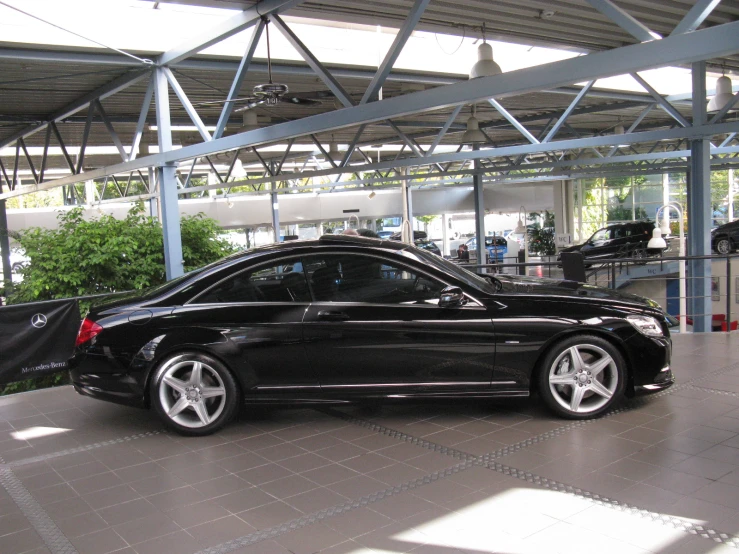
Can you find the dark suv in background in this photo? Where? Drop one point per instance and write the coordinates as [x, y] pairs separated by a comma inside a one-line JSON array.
[[620, 240], [724, 239]]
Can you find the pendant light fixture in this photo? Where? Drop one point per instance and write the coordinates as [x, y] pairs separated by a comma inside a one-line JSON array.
[[473, 135], [485, 65], [724, 94]]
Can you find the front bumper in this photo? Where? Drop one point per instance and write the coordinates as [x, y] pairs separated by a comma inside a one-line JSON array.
[[664, 380]]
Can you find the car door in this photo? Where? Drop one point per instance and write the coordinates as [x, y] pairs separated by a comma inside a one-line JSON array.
[[260, 313], [375, 324]]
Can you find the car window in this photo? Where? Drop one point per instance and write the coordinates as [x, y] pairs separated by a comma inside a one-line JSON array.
[[276, 282], [359, 278], [617, 232], [599, 235]]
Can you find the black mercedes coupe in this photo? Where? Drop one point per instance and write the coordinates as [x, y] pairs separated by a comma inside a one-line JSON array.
[[345, 318]]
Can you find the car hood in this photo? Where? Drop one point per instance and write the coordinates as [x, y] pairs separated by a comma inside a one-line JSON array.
[[575, 248], [573, 289]]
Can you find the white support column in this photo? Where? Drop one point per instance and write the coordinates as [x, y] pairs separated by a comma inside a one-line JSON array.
[[730, 213], [445, 234], [89, 192]]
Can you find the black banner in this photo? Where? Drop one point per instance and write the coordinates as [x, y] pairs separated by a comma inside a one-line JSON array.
[[37, 338]]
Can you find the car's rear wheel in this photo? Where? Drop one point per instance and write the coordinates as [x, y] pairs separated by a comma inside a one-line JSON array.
[[194, 394], [724, 246], [582, 377], [639, 254]]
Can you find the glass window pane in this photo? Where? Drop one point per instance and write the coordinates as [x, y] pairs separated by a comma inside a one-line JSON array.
[[358, 278], [282, 282]]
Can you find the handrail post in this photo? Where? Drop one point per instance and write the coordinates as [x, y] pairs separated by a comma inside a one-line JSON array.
[[728, 293]]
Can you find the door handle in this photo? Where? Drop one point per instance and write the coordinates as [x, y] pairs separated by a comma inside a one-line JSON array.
[[332, 316]]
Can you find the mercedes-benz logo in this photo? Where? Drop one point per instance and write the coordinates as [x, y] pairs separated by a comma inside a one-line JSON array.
[[38, 321]]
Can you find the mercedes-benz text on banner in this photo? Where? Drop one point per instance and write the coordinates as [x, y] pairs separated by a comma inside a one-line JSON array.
[[37, 338]]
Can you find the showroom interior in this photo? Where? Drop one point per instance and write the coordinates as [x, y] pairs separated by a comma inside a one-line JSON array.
[[287, 119]]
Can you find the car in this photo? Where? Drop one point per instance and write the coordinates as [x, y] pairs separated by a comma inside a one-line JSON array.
[[497, 247], [385, 234], [619, 240], [348, 319], [18, 260], [420, 239], [725, 238]]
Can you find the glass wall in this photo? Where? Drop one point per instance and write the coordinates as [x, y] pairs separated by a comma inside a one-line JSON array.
[[605, 200]]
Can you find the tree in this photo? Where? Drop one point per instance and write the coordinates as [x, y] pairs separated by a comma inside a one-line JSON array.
[[426, 219], [108, 255]]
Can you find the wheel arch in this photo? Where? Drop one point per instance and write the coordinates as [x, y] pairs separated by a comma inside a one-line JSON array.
[[612, 338], [176, 348]]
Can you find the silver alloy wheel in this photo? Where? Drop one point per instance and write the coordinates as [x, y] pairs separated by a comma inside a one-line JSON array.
[[723, 246], [583, 378], [191, 392]]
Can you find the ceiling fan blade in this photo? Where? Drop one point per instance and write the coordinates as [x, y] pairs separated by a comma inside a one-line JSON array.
[[221, 102], [299, 101], [253, 103]]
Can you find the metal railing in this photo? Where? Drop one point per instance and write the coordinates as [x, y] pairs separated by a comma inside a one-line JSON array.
[[653, 277]]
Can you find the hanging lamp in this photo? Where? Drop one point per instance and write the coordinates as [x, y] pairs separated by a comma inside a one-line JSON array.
[[724, 94], [485, 65], [473, 135]]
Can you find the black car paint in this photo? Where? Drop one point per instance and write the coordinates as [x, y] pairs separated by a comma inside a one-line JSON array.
[[279, 351], [633, 245], [726, 231]]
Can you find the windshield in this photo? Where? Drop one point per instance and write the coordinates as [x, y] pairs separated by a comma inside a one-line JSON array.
[[464, 275]]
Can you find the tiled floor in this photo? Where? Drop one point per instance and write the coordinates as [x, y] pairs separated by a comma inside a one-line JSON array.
[[661, 474]]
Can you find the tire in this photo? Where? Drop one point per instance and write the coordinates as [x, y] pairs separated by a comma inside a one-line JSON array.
[[589, 387], [639, 254], [724, 246], [191, 404]]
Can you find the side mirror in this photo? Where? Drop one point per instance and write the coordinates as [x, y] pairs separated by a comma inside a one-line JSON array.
[[451, 297]]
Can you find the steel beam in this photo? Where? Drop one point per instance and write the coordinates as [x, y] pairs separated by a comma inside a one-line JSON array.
[[167, 178], [568, 111], [723, 111], [404, 33], [703, 44], [185, 101], [334, 86], [47, 140], [29, 160], [697, 14], [116, 85], [450, 120], [143, 114], [113, 135], [513, 121], [85, 137], [664, 104], [67, 157], [624, 20], [238, 81], [633, 126], [226, 29], [699, 210]]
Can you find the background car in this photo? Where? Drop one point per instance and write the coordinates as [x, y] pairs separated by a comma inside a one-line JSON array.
[[18, 260], [420, 239], [497, 247], [346, 318], [725, 238], [619, 240]]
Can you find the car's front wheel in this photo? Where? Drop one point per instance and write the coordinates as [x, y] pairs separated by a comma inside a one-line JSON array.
[[194, 394], [582, 377], [723, 245]]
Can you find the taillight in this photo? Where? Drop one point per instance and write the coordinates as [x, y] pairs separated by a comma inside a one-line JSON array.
[[88, 331]]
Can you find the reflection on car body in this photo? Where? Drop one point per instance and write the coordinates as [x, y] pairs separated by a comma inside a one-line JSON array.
[[343, 319]]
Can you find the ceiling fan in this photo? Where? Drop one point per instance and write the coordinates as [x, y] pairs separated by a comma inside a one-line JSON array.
[[272, 93]]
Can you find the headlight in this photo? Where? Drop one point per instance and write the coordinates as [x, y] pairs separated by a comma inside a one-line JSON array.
[[646, 325]]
